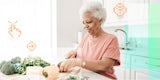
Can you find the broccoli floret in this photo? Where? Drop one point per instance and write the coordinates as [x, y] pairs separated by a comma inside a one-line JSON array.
[[8, 68], [15, 60], [72, 78], [2, 63], [30, 61], [16, 65]]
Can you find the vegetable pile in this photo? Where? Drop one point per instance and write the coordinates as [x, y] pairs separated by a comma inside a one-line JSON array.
[[18, 65], [72, 78]]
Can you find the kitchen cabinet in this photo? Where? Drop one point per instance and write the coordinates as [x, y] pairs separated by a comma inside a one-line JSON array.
[[137, 66], [143, 75], [123, 71], [140, 75], [143, 67], [120, 70]]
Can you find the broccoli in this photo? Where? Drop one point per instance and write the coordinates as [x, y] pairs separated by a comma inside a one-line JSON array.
[[2, 63], [15, 60], [16, 65], [72, 77], [31, 61], [8, 68]]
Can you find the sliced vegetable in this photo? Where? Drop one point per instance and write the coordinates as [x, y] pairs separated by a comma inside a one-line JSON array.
[[51, 72]]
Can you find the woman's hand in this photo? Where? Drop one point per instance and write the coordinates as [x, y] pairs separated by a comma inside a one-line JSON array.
[[67, 64], [71, 54]]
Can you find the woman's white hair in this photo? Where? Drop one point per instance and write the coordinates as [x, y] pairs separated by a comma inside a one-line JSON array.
[[95, 8]]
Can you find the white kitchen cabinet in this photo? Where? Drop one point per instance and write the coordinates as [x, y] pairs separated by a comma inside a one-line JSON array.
[[144, 68], [140, 75], [144, 74], [137, 66], [120, 70], [120, 73], [123, 71]]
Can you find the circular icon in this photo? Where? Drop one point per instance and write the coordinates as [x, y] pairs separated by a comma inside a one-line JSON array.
[[120, 9], [31, 46]]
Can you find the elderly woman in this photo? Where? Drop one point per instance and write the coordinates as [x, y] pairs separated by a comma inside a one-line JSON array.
[[98, 50]]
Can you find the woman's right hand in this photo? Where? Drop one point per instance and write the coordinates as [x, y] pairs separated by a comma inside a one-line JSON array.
[[71, 54]]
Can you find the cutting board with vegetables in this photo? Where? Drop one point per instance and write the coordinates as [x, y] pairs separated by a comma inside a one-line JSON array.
[[46, 73], [32, 65]]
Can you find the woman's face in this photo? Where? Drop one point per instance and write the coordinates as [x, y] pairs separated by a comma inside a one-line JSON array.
[[91, 24]]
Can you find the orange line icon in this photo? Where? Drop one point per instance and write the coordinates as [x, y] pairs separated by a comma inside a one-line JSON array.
[[120, 9], [31, 46], [13, 29]]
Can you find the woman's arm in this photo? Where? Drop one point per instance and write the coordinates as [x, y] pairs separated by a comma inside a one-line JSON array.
[[99, 65], [96, 65], [71, 54]]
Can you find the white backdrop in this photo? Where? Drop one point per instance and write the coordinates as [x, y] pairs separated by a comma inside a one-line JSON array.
[[34, 20]]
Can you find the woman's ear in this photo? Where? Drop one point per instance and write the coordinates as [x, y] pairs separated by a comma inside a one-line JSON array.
[[101, 21]]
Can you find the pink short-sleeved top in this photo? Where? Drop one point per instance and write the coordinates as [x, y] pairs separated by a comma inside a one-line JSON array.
[[106, 46]]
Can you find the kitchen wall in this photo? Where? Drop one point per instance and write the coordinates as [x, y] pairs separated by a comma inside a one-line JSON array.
[[68, 22], [155, 1], [25, 28], [119, 34]]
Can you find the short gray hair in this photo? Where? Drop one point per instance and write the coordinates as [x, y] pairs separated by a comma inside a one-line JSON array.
[[94, 8]]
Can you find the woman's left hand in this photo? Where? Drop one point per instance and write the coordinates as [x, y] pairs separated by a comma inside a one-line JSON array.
[[67, 64]]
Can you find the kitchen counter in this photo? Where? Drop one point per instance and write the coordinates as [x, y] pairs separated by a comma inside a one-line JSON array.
[[144, 52], [55, 60], [80, 72], [93, 75]]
